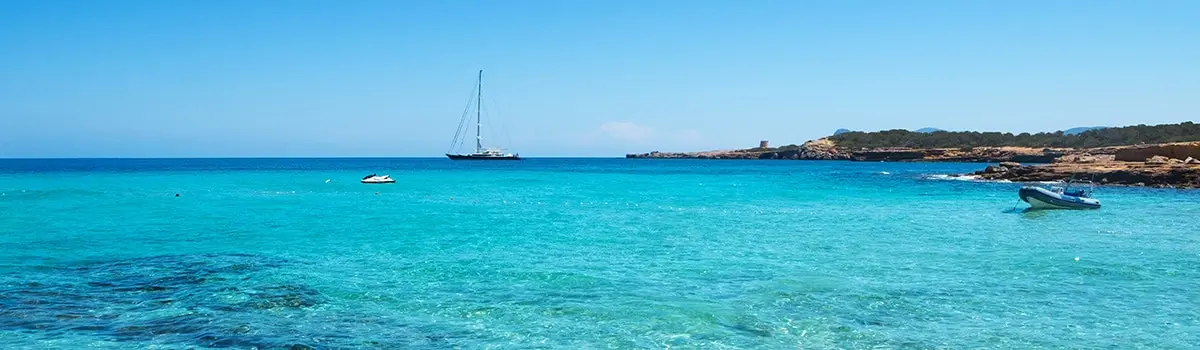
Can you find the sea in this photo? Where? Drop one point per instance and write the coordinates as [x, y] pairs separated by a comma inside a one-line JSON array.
[[581, 254]]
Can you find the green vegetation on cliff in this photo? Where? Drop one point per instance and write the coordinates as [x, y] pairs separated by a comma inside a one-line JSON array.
[[1129, 135]]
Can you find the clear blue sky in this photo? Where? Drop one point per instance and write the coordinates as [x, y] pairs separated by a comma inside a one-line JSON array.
[[573, 78]]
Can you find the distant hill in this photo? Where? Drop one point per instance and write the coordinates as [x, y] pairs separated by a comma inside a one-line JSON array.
[[1129, 135], [1077, 131], [840, 131], [927, 130]]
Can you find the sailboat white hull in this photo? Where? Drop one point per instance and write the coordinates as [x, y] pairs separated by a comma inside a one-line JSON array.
[[483, 157]]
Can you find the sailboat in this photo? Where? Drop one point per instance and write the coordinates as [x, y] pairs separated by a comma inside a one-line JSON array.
[[481, 152]]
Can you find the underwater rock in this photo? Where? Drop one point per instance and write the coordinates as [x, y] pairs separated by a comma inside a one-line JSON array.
[[204, 300], [286, 296]]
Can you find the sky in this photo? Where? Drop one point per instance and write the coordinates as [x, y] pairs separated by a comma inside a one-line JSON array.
[[257, 78]]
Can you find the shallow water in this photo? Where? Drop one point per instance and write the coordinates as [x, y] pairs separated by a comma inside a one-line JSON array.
[[580, 253]]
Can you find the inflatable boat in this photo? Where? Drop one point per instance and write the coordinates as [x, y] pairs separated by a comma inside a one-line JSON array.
[[1058, 198]]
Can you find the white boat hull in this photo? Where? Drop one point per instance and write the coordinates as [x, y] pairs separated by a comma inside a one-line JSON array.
[[378, 180], [1037, 204], [1040, 198]]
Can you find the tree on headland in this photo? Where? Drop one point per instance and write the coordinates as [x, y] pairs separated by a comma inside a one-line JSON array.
[[1129, 135]]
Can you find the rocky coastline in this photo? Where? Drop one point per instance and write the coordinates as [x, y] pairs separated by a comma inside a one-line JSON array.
[[1155, 173], [1174, 165], [1171, 165], [824, 149]]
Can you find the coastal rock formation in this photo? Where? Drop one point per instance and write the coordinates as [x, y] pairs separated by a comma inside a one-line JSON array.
[[889, 154], [820, 149], [1170, 150], [827, 149], [1175, 175], [1084, 158], [969, 155]]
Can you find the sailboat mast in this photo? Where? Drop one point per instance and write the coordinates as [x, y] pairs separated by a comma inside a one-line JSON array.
[[478, 108]]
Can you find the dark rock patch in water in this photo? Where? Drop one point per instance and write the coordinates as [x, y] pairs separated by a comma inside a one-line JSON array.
[[284, 296], [198, 301], [206, 300]]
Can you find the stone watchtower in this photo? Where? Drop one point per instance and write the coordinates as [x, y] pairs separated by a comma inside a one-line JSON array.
[[763, 144]]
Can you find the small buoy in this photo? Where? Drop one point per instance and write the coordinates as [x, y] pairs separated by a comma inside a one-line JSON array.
[[326, 180], [176, 195], [1077, 258]]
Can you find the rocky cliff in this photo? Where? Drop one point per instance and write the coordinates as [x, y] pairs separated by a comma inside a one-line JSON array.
[[1174, 174], [1170, 150]]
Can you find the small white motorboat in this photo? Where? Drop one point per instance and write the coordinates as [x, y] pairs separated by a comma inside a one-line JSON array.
[[376, 179], [1059, 197]]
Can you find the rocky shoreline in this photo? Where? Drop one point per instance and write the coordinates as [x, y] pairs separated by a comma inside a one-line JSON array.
[[1174, 165], [1182, 174], [824, 149]]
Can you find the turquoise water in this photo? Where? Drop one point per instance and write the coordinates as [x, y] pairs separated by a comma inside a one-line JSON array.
[[580, 253]]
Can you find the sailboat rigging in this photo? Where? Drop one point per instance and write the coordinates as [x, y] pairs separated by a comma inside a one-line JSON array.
[[481, 152]]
